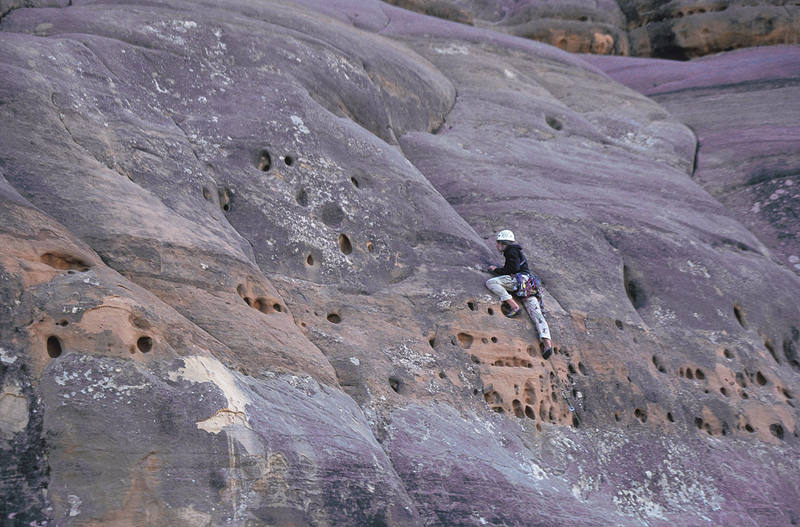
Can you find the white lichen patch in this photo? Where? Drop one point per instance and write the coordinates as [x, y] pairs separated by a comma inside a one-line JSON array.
[[694, 269], [298, 122], [638, 500], [200, 369], [452, 49], [664, 315], [638, 140], [403, 355], [537, 472], [7, 357], [74, 505]]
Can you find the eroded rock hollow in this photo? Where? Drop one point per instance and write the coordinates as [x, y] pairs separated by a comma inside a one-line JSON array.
[[241, 271]]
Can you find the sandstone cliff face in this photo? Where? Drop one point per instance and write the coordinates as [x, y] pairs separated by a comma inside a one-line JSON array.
[[240, 278], [677, 29], [742, 107]]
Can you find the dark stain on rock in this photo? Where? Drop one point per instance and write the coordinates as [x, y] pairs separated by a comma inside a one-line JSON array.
[[633, 288], [65, 262], [332, 214]]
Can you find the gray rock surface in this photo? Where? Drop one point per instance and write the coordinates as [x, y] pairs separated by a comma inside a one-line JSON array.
[[240, 281]]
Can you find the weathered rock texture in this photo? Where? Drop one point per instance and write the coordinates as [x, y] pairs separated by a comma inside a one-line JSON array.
[[678, 29], [743, 108], [684, 29], [240, 281]]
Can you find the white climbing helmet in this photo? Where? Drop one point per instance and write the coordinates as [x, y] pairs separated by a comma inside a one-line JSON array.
[[505, 236]]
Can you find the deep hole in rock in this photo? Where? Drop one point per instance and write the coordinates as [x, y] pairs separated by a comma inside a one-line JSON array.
[[53, 346], [494, 340], [64, 262], [395, 384], [529, 413], [225, 198], [658, 365], [277, 307], [744, 395], [465, 340], [689, 374], [475, 359], [723, 391], [310, 260], [144, 344], [432, 342], [302, 197], [575, 422], [582, 368], [776, 430], [786, 393], [727, 353], [334, 318], [749, 428], [344, 244], [670, 418], [354, 181], [740, 379], [264, 162], [698, 422], [738, 312], [517, 406], [442, 375], [616, 416], [63, 323], [370, 247], [571, 368], [699, 374], [619, 324], [471, 306], [289, 160], [490, 311], [760, 379], [633, 289], [553, 123]]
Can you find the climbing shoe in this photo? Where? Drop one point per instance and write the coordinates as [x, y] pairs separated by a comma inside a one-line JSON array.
[[512, 314], [546, 353]]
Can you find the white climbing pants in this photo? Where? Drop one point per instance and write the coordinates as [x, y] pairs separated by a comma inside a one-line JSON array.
[[501, 285]]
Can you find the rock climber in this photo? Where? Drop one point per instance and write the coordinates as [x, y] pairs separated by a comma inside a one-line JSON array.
[[507, 280]]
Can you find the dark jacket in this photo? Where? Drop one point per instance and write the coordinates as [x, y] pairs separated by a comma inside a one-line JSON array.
[[515, 262]]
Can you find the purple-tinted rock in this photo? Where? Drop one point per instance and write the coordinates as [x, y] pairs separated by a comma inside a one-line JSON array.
[[240, 281], [743, 107]]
